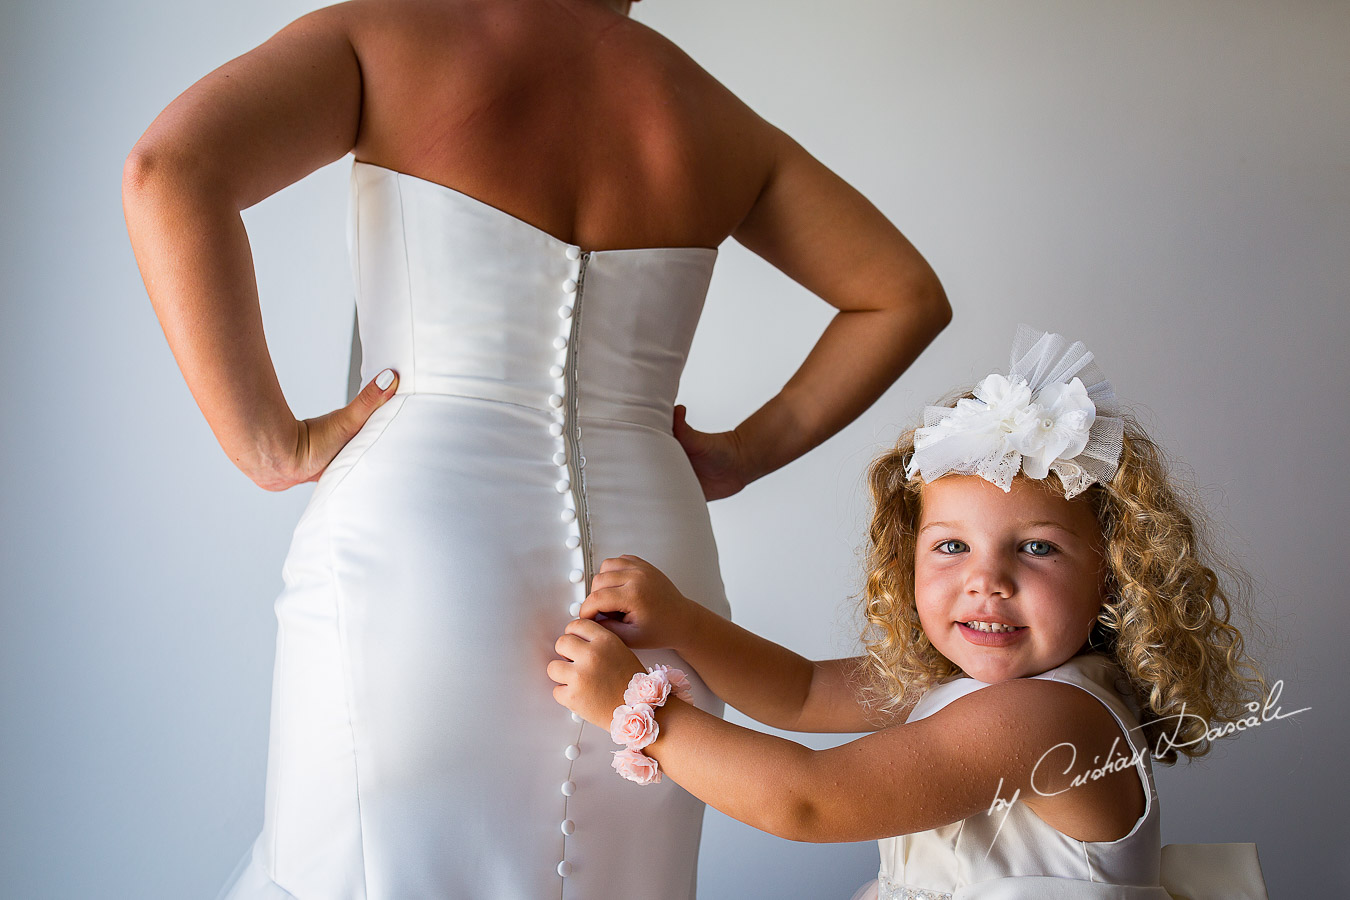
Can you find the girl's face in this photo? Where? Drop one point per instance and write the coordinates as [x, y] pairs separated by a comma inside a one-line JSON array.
[[1028, 559]]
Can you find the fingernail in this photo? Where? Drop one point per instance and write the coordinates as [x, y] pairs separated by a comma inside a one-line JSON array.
[[384, 379]]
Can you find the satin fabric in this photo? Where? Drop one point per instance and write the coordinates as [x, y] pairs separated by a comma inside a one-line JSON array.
[[416, 750]]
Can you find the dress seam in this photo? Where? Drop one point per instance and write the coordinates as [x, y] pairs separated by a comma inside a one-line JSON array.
[[351, 466], [280, 739], [339, 620], [407, 280]]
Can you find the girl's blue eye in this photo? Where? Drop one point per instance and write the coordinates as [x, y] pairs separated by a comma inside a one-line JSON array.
[[952, 547], [1038, 548]]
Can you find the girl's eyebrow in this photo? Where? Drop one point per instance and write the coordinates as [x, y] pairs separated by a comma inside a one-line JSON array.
[[1046, 523], [1039, 523]]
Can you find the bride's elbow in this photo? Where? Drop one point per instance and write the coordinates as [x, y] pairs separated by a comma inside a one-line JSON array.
[[158, 172], [148, 168]]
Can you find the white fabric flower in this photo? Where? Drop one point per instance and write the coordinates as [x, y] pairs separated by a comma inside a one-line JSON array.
[[1055, 427], [1041, 417], [1005, 400]]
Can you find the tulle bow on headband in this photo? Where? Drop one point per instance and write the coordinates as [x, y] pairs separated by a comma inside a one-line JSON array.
[[1054, 412]]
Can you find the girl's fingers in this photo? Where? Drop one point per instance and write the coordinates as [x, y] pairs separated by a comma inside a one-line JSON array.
[[605, 600], [558, 671], [586, 630], [612, 564], [569, 646], [602, 580], [624, 631]]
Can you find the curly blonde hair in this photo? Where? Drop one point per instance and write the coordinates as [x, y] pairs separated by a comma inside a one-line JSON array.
[[1165, 619]]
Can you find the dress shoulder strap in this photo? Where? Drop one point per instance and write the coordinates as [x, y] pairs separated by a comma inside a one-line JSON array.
[[1092, 672]]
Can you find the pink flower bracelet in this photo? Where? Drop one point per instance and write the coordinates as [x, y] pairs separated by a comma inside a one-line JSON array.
[[634, 723]]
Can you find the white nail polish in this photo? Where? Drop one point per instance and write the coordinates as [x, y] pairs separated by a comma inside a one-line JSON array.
[[384, 379]]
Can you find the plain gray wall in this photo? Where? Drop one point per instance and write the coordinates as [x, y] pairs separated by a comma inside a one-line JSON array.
[[1166, 181]]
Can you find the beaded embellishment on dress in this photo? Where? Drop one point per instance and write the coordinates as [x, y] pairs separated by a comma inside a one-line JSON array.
[[889, 890]]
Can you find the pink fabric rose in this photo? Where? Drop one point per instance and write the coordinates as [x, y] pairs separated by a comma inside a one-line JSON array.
[[679, 682], [636, 766], [649, 689], [634, 726]]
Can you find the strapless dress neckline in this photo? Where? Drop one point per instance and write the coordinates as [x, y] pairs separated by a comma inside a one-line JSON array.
[[470, 199]]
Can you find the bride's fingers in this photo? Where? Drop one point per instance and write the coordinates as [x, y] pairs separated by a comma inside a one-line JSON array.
[[327, 434], [370, 398], [691, 439]]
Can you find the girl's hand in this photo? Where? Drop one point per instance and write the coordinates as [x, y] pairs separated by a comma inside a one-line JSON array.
[[717, 458], [594, 671], [318, 440], [641, 605]]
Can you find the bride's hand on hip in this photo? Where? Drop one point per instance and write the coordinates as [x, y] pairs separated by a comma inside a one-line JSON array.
[[717, 458], [319, 439]]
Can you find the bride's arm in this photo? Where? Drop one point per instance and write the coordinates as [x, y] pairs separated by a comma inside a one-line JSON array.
[[818, 230], [248, 129]]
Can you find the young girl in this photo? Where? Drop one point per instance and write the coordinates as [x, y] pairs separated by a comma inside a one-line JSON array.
[[1031, 642]]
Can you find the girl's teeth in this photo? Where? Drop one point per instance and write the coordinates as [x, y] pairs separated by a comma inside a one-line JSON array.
[[994, 627]]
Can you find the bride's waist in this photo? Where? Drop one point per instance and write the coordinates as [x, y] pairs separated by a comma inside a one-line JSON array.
[[561, 400]]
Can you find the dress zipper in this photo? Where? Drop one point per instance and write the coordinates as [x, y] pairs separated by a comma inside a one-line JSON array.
[[575, 458]]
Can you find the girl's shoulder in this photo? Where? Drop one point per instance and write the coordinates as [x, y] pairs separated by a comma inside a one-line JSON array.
[[1075, 742]]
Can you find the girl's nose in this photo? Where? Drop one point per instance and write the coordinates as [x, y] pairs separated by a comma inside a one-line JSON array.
[[988, 576]]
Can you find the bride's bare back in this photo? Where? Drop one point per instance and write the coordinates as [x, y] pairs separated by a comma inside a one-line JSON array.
[[566, 114]]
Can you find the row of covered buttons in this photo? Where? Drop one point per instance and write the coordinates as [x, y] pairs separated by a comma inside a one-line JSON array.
[[558, 428]]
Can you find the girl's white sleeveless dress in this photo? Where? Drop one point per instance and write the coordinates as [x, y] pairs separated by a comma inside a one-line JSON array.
[[1011, 854], [416, 750]]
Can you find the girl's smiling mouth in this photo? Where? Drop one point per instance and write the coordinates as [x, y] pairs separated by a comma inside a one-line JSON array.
[[991, 634]]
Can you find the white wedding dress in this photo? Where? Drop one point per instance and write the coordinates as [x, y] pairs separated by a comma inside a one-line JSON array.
[[416, 750]]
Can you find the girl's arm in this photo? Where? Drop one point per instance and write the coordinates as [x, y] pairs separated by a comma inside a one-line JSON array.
[[248, 129], [764, 680], [1022, 739]]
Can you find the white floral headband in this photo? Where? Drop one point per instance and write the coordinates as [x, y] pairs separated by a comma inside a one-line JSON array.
[[1055, 411]]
